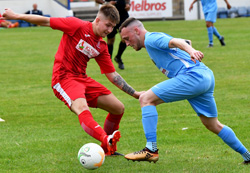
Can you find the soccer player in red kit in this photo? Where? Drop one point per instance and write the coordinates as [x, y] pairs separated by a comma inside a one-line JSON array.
[[82, 41]]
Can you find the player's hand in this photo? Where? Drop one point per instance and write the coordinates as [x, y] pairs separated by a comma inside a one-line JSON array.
[[137, 94], [191, 7], [127, 7], [228, 6], [196, 55], [9, 14]]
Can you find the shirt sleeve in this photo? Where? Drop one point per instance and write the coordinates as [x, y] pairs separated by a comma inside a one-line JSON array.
[[68, 25], [158, 40], [104, 61]]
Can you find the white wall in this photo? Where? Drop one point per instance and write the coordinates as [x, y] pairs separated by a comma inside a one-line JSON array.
[[193, 15], [234, 3], [47, 6], [57, 10]]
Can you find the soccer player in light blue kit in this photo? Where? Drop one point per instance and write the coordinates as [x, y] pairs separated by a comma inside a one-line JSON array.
[[188, 79], [209, 8]]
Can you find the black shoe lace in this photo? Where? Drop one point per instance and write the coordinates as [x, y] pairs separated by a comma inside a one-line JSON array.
[[140, 152], [148, 155]]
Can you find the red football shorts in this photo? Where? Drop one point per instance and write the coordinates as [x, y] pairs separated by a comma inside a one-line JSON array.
[[73, 88]]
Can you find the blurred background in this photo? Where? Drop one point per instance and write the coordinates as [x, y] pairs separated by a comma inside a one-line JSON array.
[[141, 9]]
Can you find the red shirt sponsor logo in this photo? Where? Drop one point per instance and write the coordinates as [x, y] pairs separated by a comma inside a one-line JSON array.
[[87, 49]]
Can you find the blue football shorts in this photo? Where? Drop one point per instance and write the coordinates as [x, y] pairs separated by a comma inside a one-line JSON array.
[[195, 85], [211, 16]]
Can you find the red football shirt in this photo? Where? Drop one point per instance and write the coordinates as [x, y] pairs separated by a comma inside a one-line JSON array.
[[78, 45], [1, 20]]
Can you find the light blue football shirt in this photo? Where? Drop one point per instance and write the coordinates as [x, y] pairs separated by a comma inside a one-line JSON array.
[[209, 5], [170, 61]]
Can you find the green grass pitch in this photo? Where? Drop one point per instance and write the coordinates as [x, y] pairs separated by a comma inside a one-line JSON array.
[[40, 134]]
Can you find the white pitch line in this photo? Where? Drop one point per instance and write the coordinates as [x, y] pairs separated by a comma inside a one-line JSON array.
[[2, 120]]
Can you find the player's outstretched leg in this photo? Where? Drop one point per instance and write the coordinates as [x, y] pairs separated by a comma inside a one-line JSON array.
[[90, 126], [149, 121], [229, 137]]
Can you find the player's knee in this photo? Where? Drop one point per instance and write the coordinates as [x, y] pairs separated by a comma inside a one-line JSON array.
[[144, 100], [117, 108], [215, 128], [78, 107], [120, 109], [209, 24]]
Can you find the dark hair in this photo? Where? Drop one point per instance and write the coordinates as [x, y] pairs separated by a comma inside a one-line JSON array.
[[110, 12], [127, 22]]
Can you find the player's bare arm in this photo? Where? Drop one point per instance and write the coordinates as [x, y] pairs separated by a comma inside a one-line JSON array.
[[189, 42], [228, 5], [191, 6], [118, 81], [183, 45], [35, 19]]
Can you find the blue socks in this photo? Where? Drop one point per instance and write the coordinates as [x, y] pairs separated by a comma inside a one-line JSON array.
[[216, 33], [210, 34], [229, 137], [149, 121], [246, 156], [152, 146], [210, 31]]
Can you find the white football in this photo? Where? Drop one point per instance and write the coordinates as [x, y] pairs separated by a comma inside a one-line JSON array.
[[91, 156]]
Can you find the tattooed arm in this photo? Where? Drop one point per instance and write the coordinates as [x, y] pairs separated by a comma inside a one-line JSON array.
[[118, 81]]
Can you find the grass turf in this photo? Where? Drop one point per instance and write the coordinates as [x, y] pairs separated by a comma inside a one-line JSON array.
[[40, 134]]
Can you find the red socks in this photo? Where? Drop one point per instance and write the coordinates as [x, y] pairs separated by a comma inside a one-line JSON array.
[[90, 126], [112, 123]]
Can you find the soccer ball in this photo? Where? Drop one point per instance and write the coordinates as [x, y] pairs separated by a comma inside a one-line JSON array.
[[91, 156]]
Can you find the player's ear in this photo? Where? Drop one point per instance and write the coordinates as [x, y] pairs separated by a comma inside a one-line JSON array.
[[137, 31], [97, 20]]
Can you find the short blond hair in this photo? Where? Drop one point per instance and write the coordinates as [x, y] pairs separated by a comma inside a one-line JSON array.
[[110, 12]]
